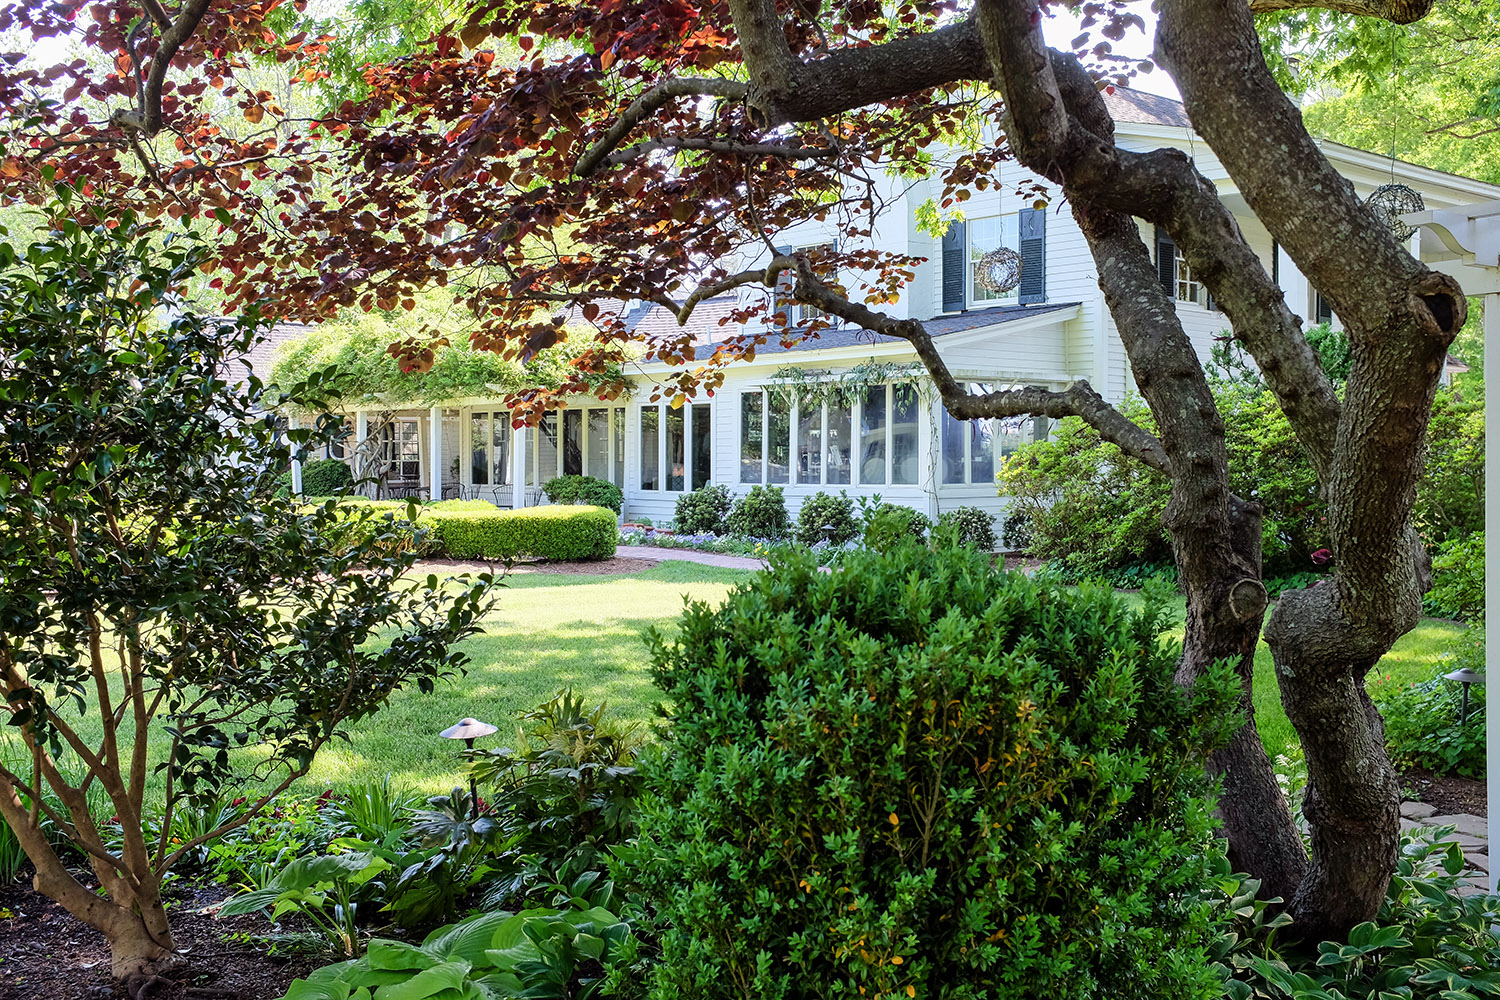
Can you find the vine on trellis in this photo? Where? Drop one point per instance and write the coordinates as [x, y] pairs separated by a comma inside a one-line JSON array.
[[816, 386]]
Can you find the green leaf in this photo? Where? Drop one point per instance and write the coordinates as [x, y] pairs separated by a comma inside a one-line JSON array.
[[427, 983], [398, 955]]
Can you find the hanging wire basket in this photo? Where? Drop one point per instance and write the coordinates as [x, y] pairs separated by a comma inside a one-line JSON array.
[[1391, 201], [999, 271]]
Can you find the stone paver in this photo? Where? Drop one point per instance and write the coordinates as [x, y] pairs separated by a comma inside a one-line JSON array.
[[1469, 825], [1417, 810], [688, 555]]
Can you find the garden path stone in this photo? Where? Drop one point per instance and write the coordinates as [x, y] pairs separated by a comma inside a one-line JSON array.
[[1417, 810], [1469, 825]]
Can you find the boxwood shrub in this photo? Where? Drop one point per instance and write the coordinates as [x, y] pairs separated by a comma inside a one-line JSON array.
[[554, 532], [917, 776], [826, 516]]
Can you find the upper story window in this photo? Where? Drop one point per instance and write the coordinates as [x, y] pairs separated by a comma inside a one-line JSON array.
[[1176, 276], [985, 235], [974, 449], [799, 313], [869, 439]]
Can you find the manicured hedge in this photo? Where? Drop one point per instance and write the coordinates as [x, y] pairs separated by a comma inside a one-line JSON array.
[[554, 532]]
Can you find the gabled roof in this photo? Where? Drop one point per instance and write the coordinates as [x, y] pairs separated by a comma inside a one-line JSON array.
[[938, 327], [651, 320], [1141, 108]]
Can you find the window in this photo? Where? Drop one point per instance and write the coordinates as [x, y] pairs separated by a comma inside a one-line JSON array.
[[403, 449], [752, 436], [489, 448], [1322, 308], [809, 442], [904, 419], [837, 432], [1189, 289], [799, 313], [592, 444], [703, 428], [650, 448], [986, 235], [974, 449], [676, 447], [872, 436], [778, 438]]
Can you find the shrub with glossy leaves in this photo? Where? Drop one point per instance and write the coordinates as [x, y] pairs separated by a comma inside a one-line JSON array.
[[585, 490], [970, 526], [827, 517], [761, 513], [702, 512], [918, 776], [889, 524]]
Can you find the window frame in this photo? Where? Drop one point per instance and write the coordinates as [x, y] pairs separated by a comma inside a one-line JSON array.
[[689, 412], [855, 461], [493, 419], [535, 474], [1010, 238]]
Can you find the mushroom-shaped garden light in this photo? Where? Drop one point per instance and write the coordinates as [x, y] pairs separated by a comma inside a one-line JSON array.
[[469, 730], [1466, 677]]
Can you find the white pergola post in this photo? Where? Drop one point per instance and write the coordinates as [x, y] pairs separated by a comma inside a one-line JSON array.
[[1470, 237], [435, 449], [361, 434], [291, 423], [518, 467]]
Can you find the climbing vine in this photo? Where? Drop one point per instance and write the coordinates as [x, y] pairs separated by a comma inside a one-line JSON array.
[[816, 386]]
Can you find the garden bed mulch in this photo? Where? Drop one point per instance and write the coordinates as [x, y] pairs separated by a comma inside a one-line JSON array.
[[46, 954], [1449, 793]]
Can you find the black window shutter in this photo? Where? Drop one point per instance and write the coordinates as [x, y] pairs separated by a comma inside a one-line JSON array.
[[1276, 263], [1323, 308], [783, 301], [955, 268], [1166, 262], [1033, 224]]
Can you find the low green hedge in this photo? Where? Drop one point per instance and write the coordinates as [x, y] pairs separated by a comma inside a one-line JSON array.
[[555, 532]]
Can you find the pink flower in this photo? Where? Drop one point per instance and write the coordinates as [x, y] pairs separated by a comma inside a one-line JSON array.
[[1322, 557]]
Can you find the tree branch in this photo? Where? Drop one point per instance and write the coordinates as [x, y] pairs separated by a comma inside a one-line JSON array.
[[1395, 11], [724, 146], [649, 103], [147, 121]]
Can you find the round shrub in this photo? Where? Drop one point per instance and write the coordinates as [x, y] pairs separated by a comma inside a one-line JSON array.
[[827, 517], [585, 490], [917, 776], [761, 513], [892, 523], [970, 526], [327, 477], [702, 511]]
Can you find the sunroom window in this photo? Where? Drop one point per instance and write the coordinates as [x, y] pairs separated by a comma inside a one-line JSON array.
[[837, 441], [973, 450]]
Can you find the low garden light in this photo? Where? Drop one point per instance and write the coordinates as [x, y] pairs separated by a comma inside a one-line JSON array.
[[469, 730], [1467, 678]]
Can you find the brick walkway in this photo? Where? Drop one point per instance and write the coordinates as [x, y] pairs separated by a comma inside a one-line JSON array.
[[688, 555], [1470, 832]]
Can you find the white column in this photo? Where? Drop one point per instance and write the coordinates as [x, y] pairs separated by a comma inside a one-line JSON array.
[[435, 450], [1492, 586], [518, 467], [361, 434], [291, 424]]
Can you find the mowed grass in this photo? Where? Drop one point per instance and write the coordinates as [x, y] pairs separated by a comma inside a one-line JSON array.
[[549, 631]]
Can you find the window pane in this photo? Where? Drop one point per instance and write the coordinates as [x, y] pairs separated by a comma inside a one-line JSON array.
[[676, 449], [954, 434], [597, 443], [479, 449], [809, 443], [650, 440], [981, 443], [778, 438], [618, 421], [572, 442], [840, 442], [411, 450], [1011, 433], [546, 448], [752, 435], [904, 435], [986, 235], [872, 437], [703, 431], [502, 449]]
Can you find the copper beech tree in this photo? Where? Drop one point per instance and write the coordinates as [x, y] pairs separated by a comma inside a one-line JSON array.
[[552, 160]]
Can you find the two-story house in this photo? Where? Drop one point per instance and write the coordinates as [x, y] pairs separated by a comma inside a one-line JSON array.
[[886, 432]]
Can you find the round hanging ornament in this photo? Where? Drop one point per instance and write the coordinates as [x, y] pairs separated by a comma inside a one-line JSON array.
[[999, 271], [1391, 201]]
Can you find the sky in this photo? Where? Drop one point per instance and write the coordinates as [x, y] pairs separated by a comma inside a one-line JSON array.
[[1061, 27]]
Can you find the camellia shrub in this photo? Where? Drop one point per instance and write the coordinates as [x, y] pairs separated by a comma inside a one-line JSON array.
[[917, 776], [585, 490], [702, 512], [563, 532], [970, 526], [827, 517], [761, 513]]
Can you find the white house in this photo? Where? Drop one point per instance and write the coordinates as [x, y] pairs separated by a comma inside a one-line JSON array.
[[885, 437]]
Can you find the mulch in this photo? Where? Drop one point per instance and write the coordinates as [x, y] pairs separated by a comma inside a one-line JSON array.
[[1449, 793], [47, 954]]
